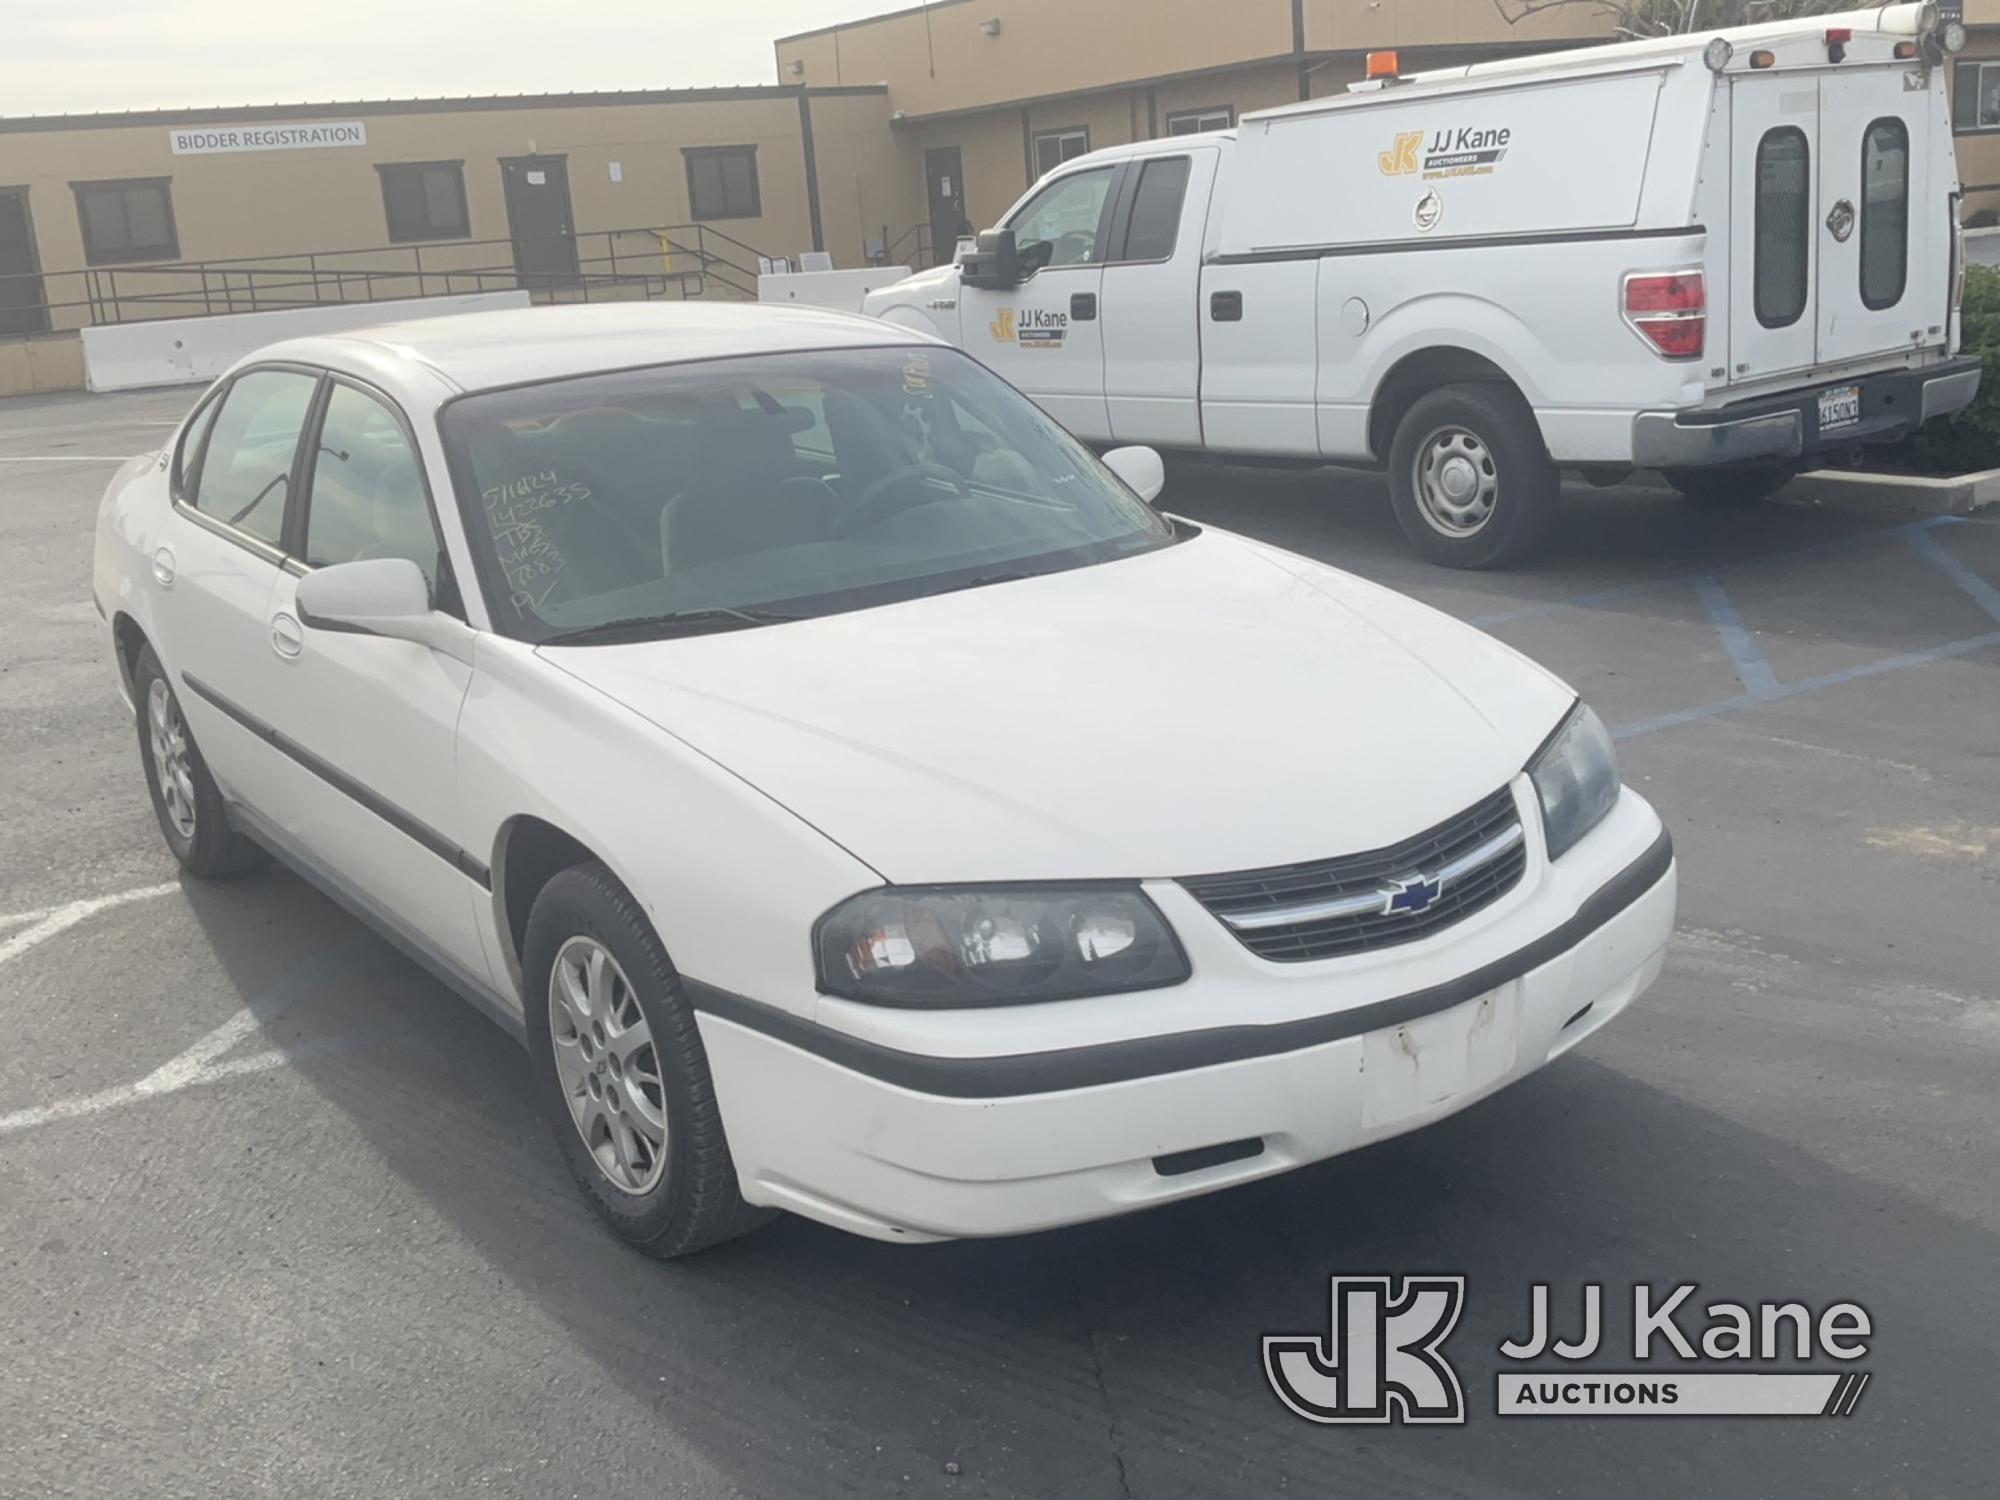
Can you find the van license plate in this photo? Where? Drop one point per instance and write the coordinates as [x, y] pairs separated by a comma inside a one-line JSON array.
[[1839, 407]]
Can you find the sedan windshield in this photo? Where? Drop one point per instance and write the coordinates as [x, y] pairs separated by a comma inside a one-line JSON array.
[[732, 493]]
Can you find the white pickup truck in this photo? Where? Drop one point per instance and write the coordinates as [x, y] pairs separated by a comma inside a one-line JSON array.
[[1718, 255]]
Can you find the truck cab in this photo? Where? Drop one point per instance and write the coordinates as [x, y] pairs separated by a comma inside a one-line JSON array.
[[1093, 315]]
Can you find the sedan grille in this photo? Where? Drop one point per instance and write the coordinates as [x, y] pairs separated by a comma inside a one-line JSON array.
[[1333, 907]]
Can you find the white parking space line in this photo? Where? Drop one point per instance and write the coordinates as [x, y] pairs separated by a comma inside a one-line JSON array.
[[197, 1065], [54, 919], [64, 458]]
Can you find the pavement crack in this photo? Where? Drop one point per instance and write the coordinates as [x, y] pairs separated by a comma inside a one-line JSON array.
[[1111, 1432]]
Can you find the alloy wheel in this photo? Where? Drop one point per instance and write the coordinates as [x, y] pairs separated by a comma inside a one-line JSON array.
[[608, 1066], [170, 757]]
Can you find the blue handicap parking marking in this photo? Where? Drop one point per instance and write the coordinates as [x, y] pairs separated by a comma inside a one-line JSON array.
[[1721, 592]]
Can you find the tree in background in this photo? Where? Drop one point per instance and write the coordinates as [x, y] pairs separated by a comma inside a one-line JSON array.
[[1636, 18]]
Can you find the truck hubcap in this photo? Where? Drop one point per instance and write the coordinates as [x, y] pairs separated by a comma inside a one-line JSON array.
[[1456, 481], [168, 736], [608, 1067]]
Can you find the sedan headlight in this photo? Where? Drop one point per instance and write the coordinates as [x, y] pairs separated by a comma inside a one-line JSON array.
[[1576, 776], [950, 946]]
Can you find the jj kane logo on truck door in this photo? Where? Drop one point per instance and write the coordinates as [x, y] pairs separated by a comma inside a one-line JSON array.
[[1456, 151], [1030, 327]]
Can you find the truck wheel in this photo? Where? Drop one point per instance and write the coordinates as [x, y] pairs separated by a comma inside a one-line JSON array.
[[1731, 486], [1472, 484]]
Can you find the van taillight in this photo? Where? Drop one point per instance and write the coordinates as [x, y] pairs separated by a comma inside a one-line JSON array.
[[1669, 311]]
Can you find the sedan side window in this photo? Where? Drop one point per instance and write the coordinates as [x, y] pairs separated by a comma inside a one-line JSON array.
[[187, 457], [367, 497], [1058, 227], [252, 442]]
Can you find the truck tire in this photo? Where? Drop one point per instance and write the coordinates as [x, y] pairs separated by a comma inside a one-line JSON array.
[[1472, 483], [1731, 486]]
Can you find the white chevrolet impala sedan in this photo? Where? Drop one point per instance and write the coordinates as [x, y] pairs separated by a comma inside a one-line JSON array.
[[855, 796]]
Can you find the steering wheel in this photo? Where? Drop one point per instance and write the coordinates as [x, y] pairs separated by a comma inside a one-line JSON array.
[[865, 507]]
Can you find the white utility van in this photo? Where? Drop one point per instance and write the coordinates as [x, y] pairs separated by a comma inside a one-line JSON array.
[[1718, 255]]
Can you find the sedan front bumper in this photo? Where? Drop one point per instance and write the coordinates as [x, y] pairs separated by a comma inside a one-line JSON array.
[[906, 1145]]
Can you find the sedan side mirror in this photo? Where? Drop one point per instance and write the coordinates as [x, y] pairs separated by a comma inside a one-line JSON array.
[[1142, 469], [993, 264], [384, 596]]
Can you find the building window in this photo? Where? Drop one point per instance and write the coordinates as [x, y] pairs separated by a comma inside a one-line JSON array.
[[425, 200], [1054, 147], [1195, 121], [722, 182], [125, 221], [1975, 97]]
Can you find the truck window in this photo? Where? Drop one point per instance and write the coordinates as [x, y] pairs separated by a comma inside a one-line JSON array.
[[1783, 227], [1156, 210], [1885, 213], [1058, 226]]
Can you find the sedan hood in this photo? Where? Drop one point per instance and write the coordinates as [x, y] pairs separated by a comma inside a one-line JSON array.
[[1215, 705]]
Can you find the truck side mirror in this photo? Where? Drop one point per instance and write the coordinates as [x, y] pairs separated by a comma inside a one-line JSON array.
[[992, 264]]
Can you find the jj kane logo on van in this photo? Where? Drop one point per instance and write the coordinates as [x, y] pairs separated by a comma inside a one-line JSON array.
[[1456, 151], [1382, 1358]]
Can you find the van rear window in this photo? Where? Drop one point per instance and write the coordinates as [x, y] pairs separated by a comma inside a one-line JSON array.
[[1885, 213], [1784, 226]]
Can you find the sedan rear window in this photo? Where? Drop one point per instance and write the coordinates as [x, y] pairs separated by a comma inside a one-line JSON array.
[[736, 491]]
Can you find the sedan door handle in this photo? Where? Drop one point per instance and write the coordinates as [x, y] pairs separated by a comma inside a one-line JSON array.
[[1226, 307], [1083, 306], [287, 639]]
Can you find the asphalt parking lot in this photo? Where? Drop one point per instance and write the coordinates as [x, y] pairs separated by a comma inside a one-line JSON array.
[[276, 1214]]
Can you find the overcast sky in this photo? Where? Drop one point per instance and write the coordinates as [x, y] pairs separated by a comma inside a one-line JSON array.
[[68, 56]]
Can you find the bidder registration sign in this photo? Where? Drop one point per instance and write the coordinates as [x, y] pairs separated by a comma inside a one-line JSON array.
[[311, 135]]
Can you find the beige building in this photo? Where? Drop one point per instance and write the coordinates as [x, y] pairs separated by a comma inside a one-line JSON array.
[[883, 139]]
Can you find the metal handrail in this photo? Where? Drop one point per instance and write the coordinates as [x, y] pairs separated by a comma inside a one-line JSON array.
[[923, 252], [647, 262]]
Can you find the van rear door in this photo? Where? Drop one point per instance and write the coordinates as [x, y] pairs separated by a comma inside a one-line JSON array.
[[1774, 212], [1876, 265], [1833, 253]]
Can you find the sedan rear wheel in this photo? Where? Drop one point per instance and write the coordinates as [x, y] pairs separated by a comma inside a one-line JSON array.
[[186, 800]]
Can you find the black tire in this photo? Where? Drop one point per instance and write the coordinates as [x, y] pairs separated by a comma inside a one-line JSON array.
[[1503, 447], [695, 1202], [1731, 486], [209, 848]]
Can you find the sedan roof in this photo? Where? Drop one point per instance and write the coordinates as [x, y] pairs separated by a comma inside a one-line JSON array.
[[511, 346]]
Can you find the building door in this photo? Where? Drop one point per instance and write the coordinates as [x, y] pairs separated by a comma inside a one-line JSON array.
[[21, 309], [538, 220], [945, 180]]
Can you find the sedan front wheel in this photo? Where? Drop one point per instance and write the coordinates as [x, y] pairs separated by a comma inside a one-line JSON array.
[[622, 1071]]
